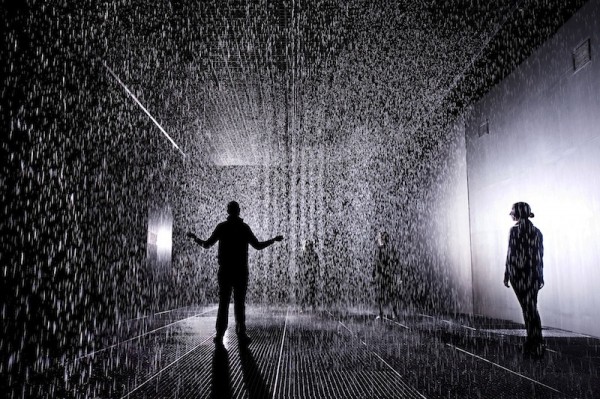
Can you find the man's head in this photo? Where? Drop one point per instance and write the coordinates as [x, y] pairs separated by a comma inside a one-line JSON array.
[[233, 208], [382, 238]]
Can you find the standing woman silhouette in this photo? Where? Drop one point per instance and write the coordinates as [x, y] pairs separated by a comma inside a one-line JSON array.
[[525, 272]]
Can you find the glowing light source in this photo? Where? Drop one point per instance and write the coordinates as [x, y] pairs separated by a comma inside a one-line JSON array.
[[164, 241], [160, 236]]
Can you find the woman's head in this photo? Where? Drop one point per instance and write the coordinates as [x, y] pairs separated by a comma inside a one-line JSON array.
[[521, 210]]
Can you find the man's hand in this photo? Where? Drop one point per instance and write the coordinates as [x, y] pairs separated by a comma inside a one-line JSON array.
[[540, 284], [506, 284], [278, 238], [196, 239], [191, 235]]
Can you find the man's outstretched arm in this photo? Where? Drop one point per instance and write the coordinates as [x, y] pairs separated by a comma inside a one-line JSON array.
[[205, 244], [258, 245], [195, 238], [214, 237]]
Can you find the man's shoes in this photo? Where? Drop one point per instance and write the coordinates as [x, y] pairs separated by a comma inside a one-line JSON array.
[[243, 339]]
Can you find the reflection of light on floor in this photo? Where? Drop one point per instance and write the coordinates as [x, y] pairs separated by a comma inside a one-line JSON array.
[[546, 333], [201, 325], [227, 340]]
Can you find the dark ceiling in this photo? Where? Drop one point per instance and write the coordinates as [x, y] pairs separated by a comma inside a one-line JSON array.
[[243, 82]]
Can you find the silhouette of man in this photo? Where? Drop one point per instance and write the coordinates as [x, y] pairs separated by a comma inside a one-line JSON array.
[[384, 275], [525, 271], [234, 236]]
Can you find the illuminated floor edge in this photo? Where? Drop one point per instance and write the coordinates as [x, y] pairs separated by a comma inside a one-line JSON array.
[[547, 332], [323, 354]]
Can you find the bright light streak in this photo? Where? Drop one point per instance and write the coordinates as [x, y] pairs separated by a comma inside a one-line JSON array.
[[143, 108]]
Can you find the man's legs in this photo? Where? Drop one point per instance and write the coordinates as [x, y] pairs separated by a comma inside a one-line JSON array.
[[239, 304], [225, 287], [380, 299]]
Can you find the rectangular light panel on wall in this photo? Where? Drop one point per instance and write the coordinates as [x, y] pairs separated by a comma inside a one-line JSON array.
[[160, 236]]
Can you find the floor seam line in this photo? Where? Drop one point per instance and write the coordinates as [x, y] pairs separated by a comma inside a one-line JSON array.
[[503, 368], [280, 354], [366, 347], [167, 366], [136, 337]]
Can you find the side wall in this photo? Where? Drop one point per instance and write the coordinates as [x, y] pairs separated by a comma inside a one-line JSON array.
[[543, 147]]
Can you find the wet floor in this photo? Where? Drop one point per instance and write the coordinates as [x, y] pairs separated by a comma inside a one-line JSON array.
[[326, 354]]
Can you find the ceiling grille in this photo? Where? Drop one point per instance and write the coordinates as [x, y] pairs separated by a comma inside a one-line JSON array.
[[581, 55]]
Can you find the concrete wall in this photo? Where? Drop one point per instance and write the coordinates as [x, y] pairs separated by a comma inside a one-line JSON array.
[[543, 147]]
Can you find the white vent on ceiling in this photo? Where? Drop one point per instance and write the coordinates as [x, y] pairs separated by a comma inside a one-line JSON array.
[[582, 55], [484, 128]]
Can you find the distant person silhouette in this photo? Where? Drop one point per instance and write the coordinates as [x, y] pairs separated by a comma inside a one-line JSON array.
[[234, 236], [525, 272], [308, 263], [384, 275]]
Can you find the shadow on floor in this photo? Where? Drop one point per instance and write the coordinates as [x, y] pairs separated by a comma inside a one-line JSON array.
[[222, 387]]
